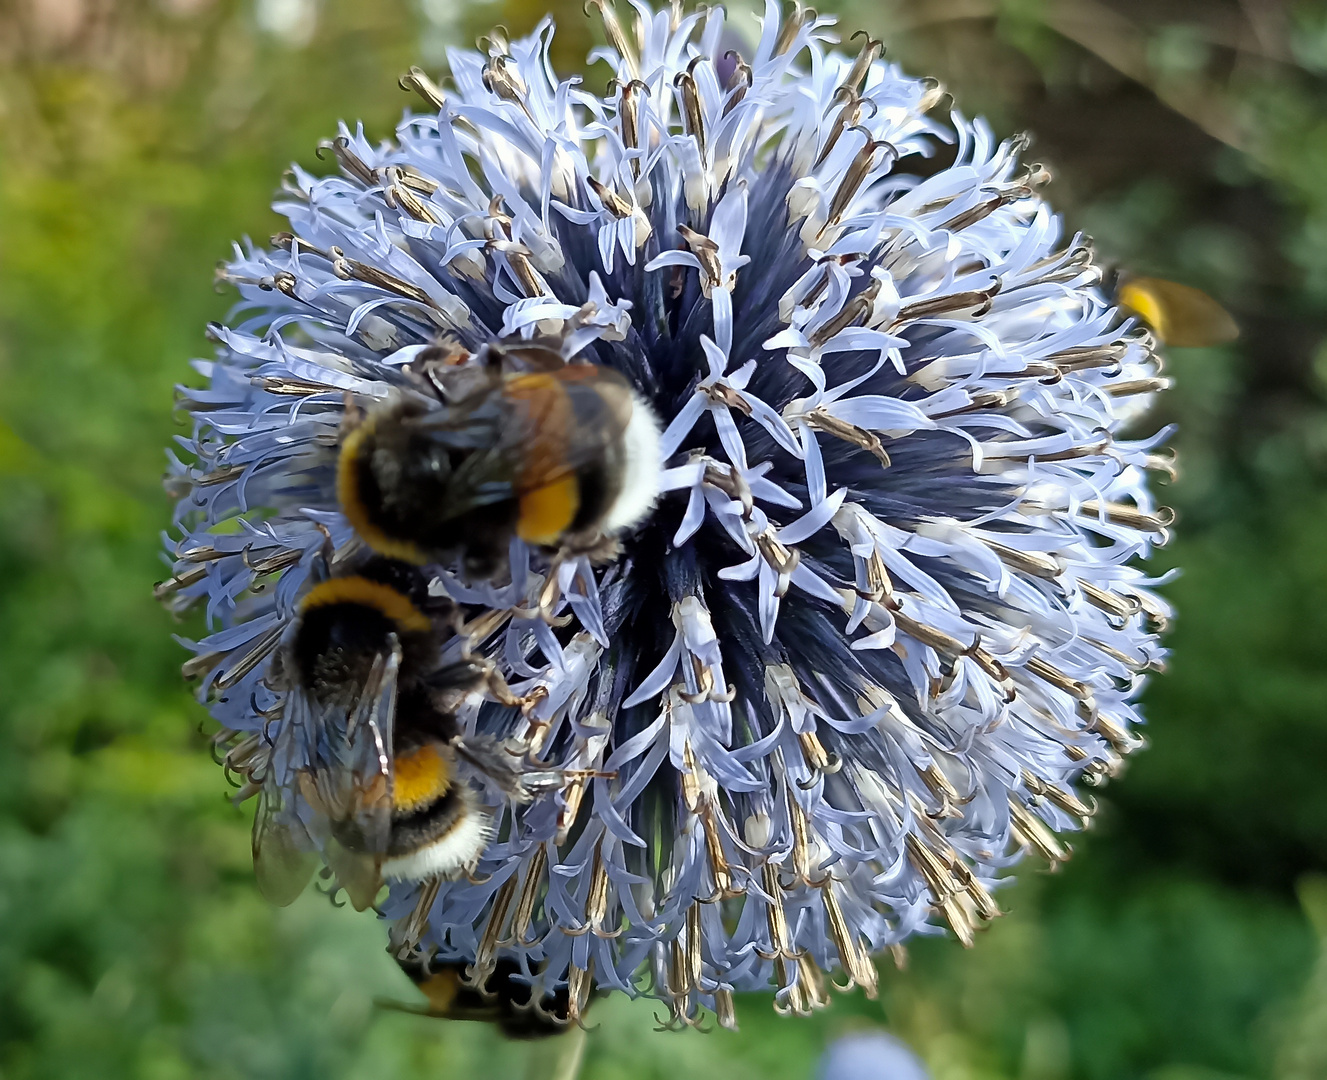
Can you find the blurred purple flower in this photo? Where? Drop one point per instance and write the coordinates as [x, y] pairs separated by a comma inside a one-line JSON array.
[[870, 1056]]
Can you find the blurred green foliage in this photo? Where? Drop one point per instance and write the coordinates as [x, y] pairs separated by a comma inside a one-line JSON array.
[[1186, 939]]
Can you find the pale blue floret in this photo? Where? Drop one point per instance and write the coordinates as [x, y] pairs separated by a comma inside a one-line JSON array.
[[888, 611]]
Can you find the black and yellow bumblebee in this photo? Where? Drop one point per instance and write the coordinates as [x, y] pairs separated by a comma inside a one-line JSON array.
[[1178, 314], [516, 442], [504, 1000], [371, 710]]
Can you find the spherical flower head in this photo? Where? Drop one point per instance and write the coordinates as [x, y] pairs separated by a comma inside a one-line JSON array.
[[886, 614]]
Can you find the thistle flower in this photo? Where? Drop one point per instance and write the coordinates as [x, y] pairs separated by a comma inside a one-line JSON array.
[[886, 615]]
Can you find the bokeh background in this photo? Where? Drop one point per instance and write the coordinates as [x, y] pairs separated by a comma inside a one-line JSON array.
[[1184, 941]]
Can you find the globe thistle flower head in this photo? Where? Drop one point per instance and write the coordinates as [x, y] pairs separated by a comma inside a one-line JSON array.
[[886, 614]]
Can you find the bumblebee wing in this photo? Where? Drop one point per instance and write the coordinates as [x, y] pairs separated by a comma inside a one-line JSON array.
[[283, 852], [1180, 315], [343, 797], [533, 436]]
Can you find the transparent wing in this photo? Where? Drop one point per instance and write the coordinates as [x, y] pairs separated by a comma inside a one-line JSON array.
[[340, 802], [1180, 314], [540, 428], [283, 852]]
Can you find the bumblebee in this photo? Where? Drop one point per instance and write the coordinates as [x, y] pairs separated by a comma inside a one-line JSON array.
[[503, 1000], [1179, 314], [516, 442], [374, 711]]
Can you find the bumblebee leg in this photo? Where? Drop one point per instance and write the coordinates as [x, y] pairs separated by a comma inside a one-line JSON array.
[[322, 563], [497, 686], [351, 416], [594, 545]]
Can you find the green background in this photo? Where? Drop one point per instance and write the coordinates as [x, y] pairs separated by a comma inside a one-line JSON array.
[[1184, 939]]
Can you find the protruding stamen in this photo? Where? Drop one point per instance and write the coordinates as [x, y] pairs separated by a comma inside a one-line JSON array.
[[938, 783], [613, 202], [572, 795], [731, 482], [724, 888], [1120, 740], [794, 19], [859, 307], [693, 939], [283, 387], [1133, 663], [707, 251], [1058, 679], [628, 115], [1157, 615], [813, 751], [944, 887], [534, 879], [775, 917], [997, 672], [354, 270], [497, 42], [289, 242], [349, 161], [987, 908], [201, 664], [284, 282], [806, 993], [1122, 607], [1130, 516], [616, 35], [782, 560], [856, 963], [934, 92], [802, 852], [246, 755], [596, 901], [183, 580], [880, 586], [264, 644], [417, 80], [518, 260], [1089, 357], [1167, 463], [862, 166], [871, 51], [412, 928], [1130, 387], [1065, 800], [502, 77], [724, 1012], [818, 419], [1030, 831], [692, 118], [978, 300], [484, 964], [1024, 187], [849, 117], [1035, 563], [398, 193], [580, 981], [739, 82]]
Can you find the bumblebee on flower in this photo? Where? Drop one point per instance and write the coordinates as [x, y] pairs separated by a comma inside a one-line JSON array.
[[866, 608]]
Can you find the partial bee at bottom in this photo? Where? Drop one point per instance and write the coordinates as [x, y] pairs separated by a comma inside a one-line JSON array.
[[504, 999]]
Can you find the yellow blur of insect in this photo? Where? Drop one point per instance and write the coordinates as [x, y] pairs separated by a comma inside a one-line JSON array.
[[1179, 314]]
